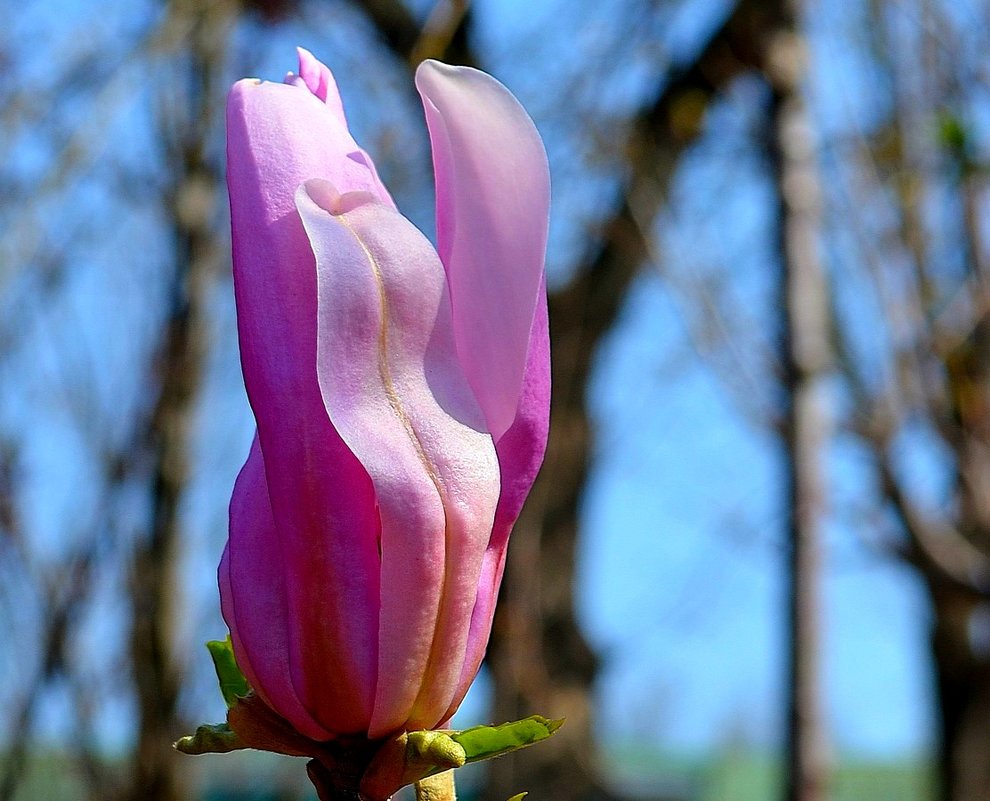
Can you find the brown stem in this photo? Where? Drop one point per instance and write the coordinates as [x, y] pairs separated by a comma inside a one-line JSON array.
[[338, 766], [331, 784]]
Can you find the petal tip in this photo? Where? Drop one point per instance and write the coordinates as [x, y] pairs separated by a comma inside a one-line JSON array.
[[244, 85], [430, 71], [308, 63], [314, 73]]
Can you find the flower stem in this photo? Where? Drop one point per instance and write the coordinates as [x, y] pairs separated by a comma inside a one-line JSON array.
[[439, 787], [331, 785]]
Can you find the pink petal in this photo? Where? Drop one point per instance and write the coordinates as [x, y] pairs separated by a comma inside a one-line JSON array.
[[395, 392], [319, 80], [520, 454], [322, 498], [493, 200], [253, 600], [521, 449], [284, 134]]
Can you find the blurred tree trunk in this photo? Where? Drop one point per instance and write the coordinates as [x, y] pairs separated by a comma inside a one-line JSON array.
[[961, 632], [950, 549], [200, 32], [960, 638], [538, 657], [805, 355], [444, 35], [963, 686]]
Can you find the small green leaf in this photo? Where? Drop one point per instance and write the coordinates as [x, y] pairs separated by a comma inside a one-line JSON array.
[[519, 796], [211, 738], [233, 685], [484, 742], [953, 133]]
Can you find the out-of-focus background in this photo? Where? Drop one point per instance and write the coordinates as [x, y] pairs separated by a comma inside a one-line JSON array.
[[757, 563]]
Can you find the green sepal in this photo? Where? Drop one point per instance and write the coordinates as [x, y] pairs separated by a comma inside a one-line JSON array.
[[251, 724], [233, 685], [434, 749], [210, 738], [415, 756], [485, 742]]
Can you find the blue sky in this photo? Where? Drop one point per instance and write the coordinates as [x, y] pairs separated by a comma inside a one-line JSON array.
[[681, 569]]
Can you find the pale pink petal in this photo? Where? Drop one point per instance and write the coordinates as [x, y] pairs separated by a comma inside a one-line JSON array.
[[322, 498], [395, 392], [493, 200], [252, 597], [520, 454]]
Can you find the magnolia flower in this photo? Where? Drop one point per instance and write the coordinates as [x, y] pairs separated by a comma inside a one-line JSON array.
[[401, 395]]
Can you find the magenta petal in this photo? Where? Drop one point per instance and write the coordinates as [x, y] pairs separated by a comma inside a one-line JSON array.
[[322, 498], [520, 454], [253, 601], [394, 390], [521, 449], [319, 80], [493, 201], [316, 75]]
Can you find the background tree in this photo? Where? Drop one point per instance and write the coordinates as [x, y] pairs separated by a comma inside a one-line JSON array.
[[921, 384], [903, 204], [537, 601], [805, 356]]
